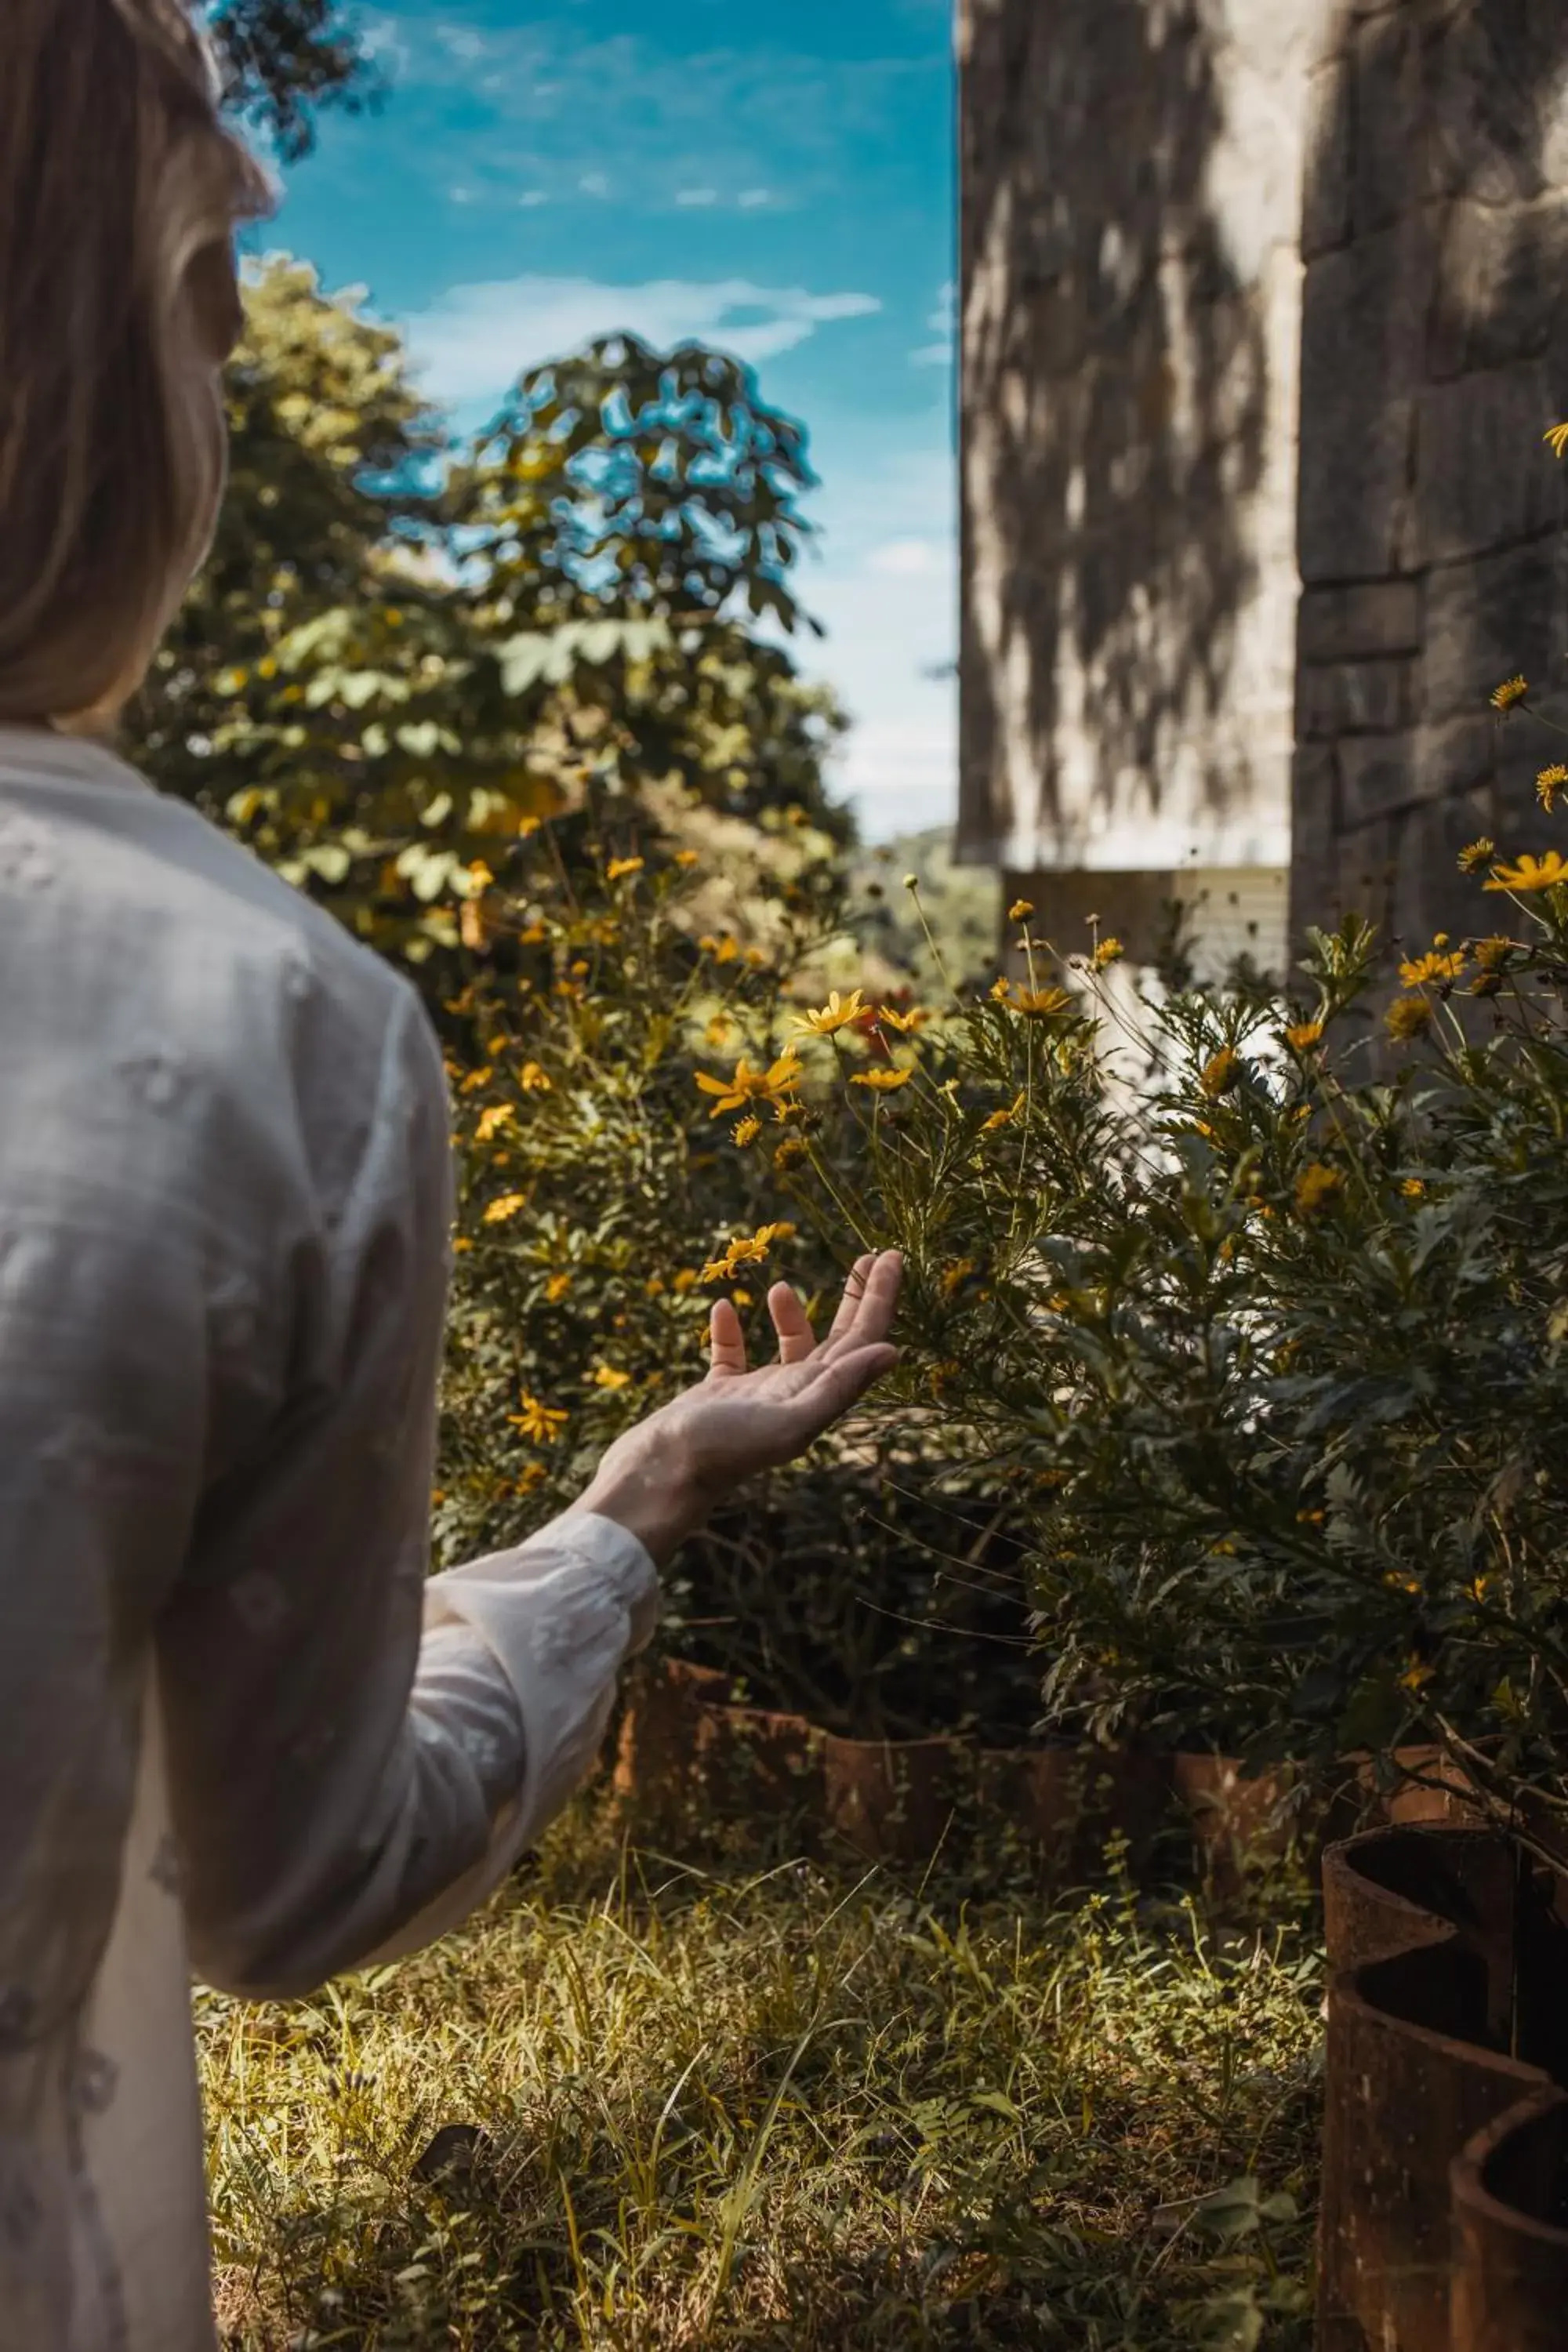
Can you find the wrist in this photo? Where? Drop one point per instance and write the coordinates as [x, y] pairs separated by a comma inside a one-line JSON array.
[[652, 1493]]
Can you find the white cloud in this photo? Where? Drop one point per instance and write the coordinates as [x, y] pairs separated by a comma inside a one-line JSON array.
[[696, 195], [380, 39], [942, 321], [752, 198], [909, 559], [532, 196], [885, 585], [593, 184], [473, 343], [461, 41]]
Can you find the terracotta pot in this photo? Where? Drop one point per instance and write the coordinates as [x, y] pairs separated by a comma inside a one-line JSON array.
[[1443, 2141], [686, 1755], [893, 1800], [1234, 1813], [1067, 1803]]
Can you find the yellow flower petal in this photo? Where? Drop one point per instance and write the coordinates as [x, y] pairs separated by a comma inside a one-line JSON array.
[[1529, 873]]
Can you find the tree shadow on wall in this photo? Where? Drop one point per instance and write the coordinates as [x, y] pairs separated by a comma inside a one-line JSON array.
[[1115, 389]]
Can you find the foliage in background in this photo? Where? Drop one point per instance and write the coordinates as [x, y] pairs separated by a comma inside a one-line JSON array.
[[283, 60], [401, 654], [948, 937]]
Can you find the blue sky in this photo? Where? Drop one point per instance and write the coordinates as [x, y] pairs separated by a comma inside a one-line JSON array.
[[779, 182]]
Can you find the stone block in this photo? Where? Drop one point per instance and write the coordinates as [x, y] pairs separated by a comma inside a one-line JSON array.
[[1491, 74], [1364, 873], [1483, 480], [1326, 197], [1430, 893], [1388, 173], [1362, 357], [1314, 837], [1368, 698], [1377, 775], [1501, 274], [1456, 757], [1490, 619], [1374, 617]]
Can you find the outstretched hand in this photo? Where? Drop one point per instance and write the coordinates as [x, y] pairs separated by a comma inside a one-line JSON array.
[[663, 1477]]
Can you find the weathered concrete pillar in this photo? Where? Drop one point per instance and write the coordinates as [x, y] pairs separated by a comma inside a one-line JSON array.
[[1131, 195], [1433, 355]]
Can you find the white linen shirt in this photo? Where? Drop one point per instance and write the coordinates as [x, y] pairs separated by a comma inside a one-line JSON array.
[[237, 1716]]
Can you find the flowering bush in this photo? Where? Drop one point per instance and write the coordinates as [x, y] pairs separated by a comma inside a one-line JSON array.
[[1258, 1368], [638, 1095], [1270, 1353]]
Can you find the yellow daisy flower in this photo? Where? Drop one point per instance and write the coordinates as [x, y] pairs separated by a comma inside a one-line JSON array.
[[508, 1205], [1315, 1185], [1511, 691], [748, 1085], [497, 1116], [836, 1014], [1529, 873], [1421, 970], [1220, 1072], [1406, 1017], [543, 1422]]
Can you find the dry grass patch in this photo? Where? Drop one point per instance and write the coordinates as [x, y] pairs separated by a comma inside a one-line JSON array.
[[641, 2104]]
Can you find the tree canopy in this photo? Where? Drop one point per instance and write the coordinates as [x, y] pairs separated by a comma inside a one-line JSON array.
[[403, 653], [284, 60]]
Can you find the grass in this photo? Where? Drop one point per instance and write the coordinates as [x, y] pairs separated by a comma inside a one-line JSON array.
[[792, 2105]]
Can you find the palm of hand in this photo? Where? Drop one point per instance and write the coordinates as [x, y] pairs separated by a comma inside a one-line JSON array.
[[739, 1419]]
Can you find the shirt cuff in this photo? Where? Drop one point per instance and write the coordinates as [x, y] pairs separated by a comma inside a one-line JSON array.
[[561, 1615]]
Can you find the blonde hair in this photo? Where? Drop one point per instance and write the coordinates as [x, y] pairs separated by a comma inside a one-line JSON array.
[[119, 191]]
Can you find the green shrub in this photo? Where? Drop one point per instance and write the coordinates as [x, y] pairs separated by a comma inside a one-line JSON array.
[[1272, 1350]]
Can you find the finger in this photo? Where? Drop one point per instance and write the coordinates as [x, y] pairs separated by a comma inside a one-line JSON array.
[[727, 1341], [796, 1338], [840, 1384], [854, 1287], [875, 1307]]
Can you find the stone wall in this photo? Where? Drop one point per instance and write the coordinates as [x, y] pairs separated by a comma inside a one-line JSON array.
[[1132, 185], [1433, 355]]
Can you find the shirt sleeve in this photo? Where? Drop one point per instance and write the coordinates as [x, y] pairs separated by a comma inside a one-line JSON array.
[[360, 1752]]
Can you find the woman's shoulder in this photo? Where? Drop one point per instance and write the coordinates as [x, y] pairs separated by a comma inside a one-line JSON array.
[[168, 936], [78, 823]]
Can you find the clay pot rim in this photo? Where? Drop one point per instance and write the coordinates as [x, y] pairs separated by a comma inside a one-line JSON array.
[[1467, 2168]]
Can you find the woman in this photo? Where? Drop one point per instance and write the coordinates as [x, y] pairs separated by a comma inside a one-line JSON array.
[[234, 1715]]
